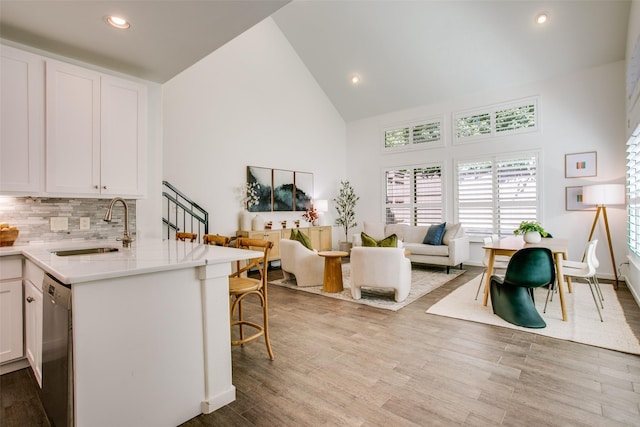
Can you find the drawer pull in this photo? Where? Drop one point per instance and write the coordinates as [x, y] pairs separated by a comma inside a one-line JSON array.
[[30, 299]]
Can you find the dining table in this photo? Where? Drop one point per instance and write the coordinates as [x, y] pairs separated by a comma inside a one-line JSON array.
[[510, 245]]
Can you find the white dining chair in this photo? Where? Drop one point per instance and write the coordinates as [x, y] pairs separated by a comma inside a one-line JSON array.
[[584, 270]]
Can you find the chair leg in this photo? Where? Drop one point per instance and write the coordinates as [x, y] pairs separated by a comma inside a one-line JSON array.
[[265, 314], [480, 284], [549, 293], [595, 299], [595, 280]]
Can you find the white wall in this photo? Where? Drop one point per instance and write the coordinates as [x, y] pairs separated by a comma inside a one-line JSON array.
[[250, 103], [579, 112]]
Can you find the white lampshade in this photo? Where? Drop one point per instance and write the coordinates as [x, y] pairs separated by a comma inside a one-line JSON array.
[[321, 205], [603, 194]]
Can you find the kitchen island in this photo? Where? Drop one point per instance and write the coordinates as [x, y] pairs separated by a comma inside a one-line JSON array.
[[151, 339]]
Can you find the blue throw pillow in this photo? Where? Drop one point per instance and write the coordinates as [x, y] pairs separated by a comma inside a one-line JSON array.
[[434, 235]]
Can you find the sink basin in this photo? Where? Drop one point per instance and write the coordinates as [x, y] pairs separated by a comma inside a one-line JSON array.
[[86, 251]]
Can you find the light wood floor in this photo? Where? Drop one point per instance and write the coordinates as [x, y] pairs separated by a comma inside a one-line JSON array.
[[344, 364]]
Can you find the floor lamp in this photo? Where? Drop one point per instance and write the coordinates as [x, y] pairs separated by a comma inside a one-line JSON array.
[[602, 195]]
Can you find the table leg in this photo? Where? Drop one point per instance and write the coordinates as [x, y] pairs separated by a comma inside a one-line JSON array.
[[560, 278], [487, 283], [564, 257]]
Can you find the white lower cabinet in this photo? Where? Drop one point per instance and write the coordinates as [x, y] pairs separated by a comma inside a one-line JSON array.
[[11, 326], [33, 317], [33, 328]]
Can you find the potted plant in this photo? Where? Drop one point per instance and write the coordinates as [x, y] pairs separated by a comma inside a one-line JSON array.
[[346, 205], [531, 231]]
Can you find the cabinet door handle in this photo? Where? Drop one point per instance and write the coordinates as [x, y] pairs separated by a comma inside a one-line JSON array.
[[104, 187], [96, 187], [30, 299]]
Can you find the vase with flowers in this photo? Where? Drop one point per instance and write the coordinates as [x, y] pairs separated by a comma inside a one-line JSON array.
[[311, 216], [248, 195]]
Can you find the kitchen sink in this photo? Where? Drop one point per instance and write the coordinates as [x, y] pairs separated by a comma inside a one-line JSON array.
[[86, 251]]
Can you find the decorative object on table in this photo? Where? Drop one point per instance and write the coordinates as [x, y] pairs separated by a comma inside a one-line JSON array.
[[512, 295], [531, 231], [311, 216], [574, 200], [283, 224], [268, 225], [257, 223], [8, 234], [297, 223], [602, 195], [580, 165], [346, 208], [321, 206], [249, 197]]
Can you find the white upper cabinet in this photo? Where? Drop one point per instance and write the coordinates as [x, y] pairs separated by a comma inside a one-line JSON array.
[[96, 140], [21, 122], [123, 137]]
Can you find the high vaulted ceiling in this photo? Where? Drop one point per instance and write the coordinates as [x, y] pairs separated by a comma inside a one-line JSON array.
[[407, 53]]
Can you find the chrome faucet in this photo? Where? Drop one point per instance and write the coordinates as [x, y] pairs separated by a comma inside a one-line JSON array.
[[126, 240]]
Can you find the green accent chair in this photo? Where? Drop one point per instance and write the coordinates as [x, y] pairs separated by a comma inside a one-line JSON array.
[[512, 296]]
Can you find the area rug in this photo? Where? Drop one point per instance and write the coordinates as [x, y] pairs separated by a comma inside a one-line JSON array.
[[583, 325], [423, 281]]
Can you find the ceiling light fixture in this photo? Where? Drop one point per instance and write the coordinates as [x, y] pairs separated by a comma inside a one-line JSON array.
[[542, 17], [355, 79], [117, 22]]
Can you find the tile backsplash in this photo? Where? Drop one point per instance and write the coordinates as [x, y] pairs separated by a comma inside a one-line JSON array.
[[32, 216]]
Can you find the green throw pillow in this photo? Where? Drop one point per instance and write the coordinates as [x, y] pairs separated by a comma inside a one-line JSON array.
[[302, 238], [294, 234], [387, 242]]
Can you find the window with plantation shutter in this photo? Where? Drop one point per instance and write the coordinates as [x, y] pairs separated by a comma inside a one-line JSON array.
[[426, 134], [633, 191], [414, 195], [496, 120], [496, 194]]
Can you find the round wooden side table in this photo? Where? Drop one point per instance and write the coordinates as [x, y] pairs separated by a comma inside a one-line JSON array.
[[332, 270]]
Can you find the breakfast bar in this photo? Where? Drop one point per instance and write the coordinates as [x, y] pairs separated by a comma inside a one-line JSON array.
[[151, 340]]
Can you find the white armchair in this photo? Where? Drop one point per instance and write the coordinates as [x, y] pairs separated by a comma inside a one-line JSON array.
[[306, 265], [380, 268]]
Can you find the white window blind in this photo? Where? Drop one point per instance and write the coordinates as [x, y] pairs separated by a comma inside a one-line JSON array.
[[633, 191], [503, 119], [426, 134], [496, 194], [414, 195]]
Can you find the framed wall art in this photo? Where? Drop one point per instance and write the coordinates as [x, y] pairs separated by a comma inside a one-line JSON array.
[[304, 190], [263, 177], [580, 165], [573, 200], [281, 190]]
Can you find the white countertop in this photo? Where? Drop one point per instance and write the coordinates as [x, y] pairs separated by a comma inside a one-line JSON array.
[[143, 257]]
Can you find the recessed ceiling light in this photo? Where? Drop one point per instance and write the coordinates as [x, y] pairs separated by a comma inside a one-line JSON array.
[[542, 17], [355, 79], [117, 22]]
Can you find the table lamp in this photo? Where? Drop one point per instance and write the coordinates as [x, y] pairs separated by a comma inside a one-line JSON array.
[[602, 195], [321, 206]]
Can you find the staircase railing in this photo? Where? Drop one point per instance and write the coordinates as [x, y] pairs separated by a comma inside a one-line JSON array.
[[181, 213]]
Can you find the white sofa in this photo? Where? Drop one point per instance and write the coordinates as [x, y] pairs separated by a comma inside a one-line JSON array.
[[380, 268], [453, 251], [306, 265]]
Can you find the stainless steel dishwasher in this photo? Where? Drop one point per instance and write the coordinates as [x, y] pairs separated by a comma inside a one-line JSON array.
[[57, 345]]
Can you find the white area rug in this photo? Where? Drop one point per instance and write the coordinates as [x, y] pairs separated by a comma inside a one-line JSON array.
[[583, 323], [423, 281]]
